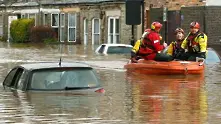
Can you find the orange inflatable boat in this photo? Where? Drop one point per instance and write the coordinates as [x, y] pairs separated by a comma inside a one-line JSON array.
[[173, 67]]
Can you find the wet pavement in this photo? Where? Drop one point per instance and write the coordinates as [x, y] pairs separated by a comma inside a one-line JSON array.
[[129, 98]]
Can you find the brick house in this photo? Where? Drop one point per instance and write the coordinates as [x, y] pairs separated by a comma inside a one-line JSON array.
[[182, 12], [77, 21], [103, 21]]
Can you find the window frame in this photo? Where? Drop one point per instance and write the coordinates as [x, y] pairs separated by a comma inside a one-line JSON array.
[[62, 26], [72, 27], [86, 31], [56, 26], [114, 34], [93, 20]]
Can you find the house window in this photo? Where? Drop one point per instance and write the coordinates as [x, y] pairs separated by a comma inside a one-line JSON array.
[[54, 20], [1, 25], [95, 31], [22, 16], [113, 30], [55, 23], [71, 27], [85, 31], [62, 24], [45, 18], [32, 16]]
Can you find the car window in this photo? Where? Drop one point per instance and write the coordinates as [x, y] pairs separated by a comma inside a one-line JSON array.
[[9, 78], [61, 79], [101, 50], [13, 77], [21, 81], [17, 77], [118, 49]]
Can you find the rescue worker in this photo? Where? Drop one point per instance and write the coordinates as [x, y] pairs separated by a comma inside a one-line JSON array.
[[175, 46], [149, 46], [195, 43]]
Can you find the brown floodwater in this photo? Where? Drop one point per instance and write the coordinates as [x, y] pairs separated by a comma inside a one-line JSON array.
[[130, 98]]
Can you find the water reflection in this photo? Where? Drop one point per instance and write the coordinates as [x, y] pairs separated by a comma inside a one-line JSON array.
[[38, 107], [169, 99]]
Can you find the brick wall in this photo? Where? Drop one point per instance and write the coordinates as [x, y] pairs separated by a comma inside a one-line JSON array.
[[209, 18], [190, 14], [172, 4], [213, 24]]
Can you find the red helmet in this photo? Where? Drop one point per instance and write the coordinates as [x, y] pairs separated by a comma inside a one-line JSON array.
[[156, 25], [195, 25], [179, 30]]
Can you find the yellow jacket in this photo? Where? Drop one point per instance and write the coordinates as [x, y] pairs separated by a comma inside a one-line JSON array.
[[170, 48], [136, 47], [201, 39]]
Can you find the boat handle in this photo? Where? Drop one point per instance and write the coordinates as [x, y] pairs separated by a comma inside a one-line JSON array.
[[201, 60]]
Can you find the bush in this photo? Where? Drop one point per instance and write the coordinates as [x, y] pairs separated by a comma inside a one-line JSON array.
[[50, 40], [20, 30], [43, 34]]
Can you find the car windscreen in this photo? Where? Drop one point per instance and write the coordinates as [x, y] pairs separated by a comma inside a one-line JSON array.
[[212, 57], [61, 79], [118, 49]]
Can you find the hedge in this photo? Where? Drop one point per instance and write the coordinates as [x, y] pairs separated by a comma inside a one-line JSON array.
[[20, 30]]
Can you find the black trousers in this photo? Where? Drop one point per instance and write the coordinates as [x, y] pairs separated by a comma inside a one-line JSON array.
[[163, 57], [192, 56]]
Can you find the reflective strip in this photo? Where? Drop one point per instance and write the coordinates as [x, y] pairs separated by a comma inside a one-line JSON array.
[[156, 41], [144, 34]]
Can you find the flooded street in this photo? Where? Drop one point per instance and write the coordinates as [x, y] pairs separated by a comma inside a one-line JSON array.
[[129, 98]]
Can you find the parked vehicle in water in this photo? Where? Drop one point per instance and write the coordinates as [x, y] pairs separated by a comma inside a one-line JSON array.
[[212, 56], [53, 77], [114, 49]]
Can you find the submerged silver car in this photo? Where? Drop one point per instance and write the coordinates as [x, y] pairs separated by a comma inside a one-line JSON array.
[[53, 77], [114, 49]]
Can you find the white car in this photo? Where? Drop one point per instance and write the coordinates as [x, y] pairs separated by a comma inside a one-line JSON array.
[[114, 49]]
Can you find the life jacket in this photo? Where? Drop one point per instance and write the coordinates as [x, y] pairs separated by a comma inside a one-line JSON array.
[[144, 49], [176, 47], [193, 43]]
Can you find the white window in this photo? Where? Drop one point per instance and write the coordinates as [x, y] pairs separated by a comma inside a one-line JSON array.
[[45, 18], [22, 16], [113, 30], [55, 23], [62, 25], [85, 31], [95, 31], [1, 25], [71, 27], [55, 20], [32, 16]]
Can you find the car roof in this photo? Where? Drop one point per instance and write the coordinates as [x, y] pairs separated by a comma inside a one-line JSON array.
[[127, 45], [46, 65]]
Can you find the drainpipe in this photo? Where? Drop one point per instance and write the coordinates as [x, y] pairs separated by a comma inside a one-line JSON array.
[[204, 19], [132, 42], [39, 12], [165, 23], [143, 9]]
